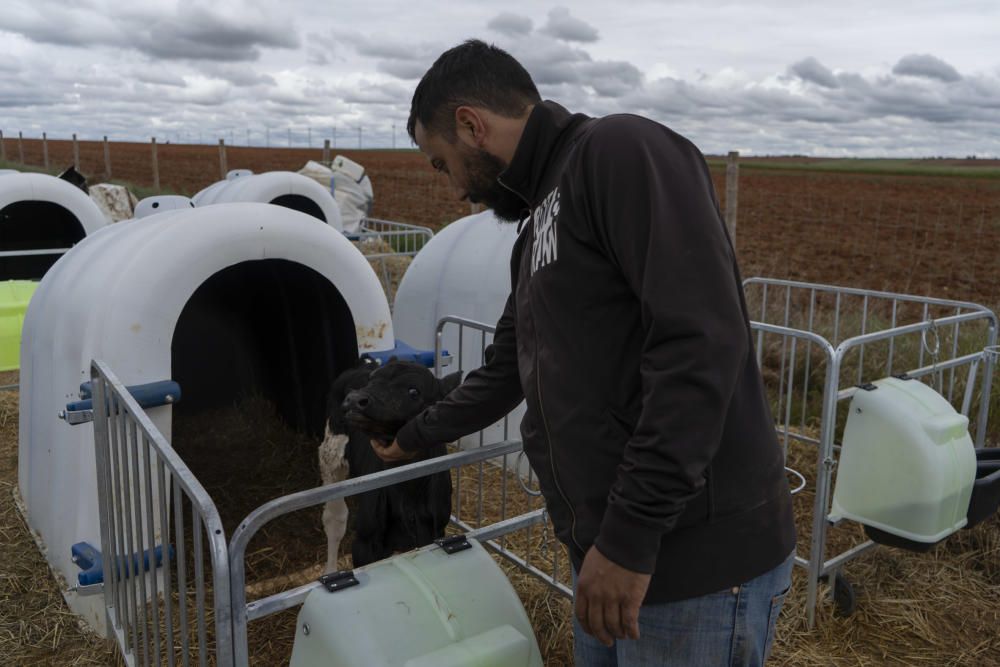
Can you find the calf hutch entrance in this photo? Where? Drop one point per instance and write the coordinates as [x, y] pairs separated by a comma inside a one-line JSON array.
[[41, 217], [250, 309]]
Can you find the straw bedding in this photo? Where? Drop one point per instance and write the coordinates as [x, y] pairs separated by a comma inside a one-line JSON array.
[[939, 608]]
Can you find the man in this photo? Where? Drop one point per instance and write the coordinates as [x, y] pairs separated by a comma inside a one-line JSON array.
[[627, 335]]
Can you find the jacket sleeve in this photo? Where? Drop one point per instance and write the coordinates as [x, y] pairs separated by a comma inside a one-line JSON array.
[[651, 206], [485, 396]]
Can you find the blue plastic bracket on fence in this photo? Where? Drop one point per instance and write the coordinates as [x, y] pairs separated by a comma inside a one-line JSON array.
[[405, 352], [148, 395], [88, 559]]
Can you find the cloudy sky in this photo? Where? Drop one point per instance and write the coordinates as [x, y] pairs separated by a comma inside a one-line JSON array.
[[866, 78]]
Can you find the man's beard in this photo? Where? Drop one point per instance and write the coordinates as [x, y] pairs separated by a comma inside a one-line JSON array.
[[482, 169]]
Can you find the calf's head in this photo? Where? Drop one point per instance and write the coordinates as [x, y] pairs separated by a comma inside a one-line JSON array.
[[395, 393]]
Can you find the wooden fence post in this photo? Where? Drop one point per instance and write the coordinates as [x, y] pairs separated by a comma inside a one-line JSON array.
[[326, 151], [732, 192], [3, 148], [76, 154], [20, 147], [107, 159], [45, 150], [222, 159], [156, 168]]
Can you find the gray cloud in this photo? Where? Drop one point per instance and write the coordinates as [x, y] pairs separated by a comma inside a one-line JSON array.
[[403, 60], [548, 62], [569, 28], [611, 78], [237, 75], [926, 66], [814, 71], [510, 24], [737, 99], [190, 32], [386, 93], [402, 69], [158, 76]]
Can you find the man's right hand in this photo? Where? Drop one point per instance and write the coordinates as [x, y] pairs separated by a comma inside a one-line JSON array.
[[392, 453]]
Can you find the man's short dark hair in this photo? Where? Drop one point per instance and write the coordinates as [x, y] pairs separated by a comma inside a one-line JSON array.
[[473, 73]]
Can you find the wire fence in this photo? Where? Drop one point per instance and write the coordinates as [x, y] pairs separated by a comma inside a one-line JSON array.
[[909, 234]]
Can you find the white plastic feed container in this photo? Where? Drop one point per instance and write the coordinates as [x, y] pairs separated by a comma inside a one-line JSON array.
[[425, 608], [907, 465]]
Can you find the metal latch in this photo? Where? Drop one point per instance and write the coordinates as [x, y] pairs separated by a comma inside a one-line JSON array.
[[74, 417], [453, 544], [337, 581], [868, 386]]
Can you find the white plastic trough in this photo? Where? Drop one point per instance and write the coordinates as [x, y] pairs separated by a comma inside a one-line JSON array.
[[39, 212], [124, 295], [283, 188]]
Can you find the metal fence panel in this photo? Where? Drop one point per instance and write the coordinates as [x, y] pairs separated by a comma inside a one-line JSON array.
[[816, 343], [149, 546]]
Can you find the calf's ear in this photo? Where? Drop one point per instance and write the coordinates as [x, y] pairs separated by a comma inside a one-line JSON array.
[[449, 382]]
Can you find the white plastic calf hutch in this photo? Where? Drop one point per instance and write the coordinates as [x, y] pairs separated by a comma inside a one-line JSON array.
[[282, 188], [225, 300], [455, 290], [41, 216]]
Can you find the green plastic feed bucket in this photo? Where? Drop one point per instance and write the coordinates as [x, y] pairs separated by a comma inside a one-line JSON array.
[[14, 298], [433, 607]]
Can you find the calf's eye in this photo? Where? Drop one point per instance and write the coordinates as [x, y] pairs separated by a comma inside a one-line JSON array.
[[414, 393]]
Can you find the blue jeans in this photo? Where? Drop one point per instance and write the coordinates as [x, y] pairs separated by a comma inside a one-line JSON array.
[[731, 628]]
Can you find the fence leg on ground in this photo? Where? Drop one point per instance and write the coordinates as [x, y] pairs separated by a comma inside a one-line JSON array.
[[107, 159], [732, 192], [222, 159], [76, 154], [156, 168], [45, 150]]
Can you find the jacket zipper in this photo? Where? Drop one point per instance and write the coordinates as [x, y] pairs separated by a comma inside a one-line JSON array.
[[541, 407], [552, 461]]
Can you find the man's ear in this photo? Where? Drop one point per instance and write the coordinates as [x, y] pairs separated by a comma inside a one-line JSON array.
[[470, 126]]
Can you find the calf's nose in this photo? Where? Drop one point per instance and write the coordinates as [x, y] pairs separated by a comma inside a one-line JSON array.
[[355, 401]]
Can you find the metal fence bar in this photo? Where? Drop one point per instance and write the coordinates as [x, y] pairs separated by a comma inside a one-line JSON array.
[[284, 600], [855, 291], [984, 402], [181, 572], [135, 555], [103, 489], [125, 610], [151, 540], [199, 586], [34, 252], [161, 481], [129, 541], [313, 497]]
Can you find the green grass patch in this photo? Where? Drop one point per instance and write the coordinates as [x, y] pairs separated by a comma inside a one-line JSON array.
[[887, 167]]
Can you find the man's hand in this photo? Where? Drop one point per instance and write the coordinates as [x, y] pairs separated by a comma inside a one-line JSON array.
[[608, 598], [391, 453]]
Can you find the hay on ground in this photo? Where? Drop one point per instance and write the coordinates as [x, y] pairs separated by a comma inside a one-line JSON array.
[[939, 608]]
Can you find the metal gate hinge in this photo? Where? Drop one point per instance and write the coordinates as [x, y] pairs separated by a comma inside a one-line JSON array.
[[337, 581], [85, 591], [453, 544], [74, 417]]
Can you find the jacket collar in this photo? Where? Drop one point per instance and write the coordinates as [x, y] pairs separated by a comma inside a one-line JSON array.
[[544, 131]]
